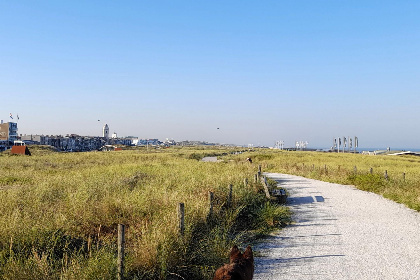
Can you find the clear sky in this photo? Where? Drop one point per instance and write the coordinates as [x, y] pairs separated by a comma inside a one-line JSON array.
[[260, 71]]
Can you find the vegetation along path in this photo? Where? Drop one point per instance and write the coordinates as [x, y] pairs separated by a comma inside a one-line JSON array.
[[340, 232]]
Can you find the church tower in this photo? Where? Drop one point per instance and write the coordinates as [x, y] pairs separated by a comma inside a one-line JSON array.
[[105, 131]]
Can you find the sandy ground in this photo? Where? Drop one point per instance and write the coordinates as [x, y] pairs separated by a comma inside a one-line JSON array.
[[340, 232], [209, 159]]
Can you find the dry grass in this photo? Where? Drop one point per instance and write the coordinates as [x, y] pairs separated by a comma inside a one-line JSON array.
[[353, 169], [60, 211]]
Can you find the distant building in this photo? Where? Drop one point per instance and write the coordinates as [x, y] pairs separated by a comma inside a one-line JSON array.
[[144, 142], [33, 139], [8, 134], [68, 143], [105, 131], [169, 142], [121, 141], [134, 140]]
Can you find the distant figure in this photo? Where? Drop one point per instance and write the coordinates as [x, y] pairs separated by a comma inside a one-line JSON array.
[[249, 160]]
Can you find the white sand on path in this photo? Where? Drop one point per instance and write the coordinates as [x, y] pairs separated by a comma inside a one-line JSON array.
[[340, 232]]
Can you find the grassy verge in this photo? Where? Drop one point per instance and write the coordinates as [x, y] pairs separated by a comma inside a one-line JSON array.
[[59, 213], [364, 171]]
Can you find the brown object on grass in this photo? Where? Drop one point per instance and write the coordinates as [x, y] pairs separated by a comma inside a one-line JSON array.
[[240, 267], [20, 150]]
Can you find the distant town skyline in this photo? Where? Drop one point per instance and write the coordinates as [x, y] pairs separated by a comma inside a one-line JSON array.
[[338, 144], [239, 72]]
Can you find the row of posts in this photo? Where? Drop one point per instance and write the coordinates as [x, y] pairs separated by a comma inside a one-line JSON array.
[[355, 171], [385, 173], [181, 223], [181, 217]]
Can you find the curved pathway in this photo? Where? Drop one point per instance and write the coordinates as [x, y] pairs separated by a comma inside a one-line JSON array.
[[340, 232]]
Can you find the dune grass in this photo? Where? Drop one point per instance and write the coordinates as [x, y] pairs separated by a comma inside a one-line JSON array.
[[366, 172], [59, 213]]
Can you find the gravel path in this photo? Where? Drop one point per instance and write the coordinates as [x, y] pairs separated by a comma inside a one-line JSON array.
[[340, 233]]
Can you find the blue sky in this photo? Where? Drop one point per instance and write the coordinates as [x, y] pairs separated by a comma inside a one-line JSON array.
[[260, 71]]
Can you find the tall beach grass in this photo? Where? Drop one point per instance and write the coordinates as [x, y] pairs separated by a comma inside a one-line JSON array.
[[366, 172], [59, 213]]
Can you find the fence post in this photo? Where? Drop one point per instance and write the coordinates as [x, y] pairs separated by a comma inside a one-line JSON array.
[[403, 176], [265, 185], [121, 243], [181, 218], [11, 246], [371, 171], [259, 168], [256, 178], [386, 175], [325, 168], [246, 182]]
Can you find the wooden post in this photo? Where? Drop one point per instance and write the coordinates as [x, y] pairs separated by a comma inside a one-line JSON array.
[[89, 245], [404, 176], [259, 168], [265, 185], [325, 168], [211, 199], [11, 246], [371, 171], [246, 182], [121, 243], [256, 178], [181, 218], [386, 175]]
